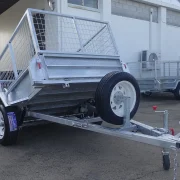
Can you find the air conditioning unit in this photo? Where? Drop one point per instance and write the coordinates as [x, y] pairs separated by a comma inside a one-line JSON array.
[[148, 60]]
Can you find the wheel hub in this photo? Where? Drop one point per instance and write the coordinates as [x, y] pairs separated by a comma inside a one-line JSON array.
[[121, 89], [118, 98]]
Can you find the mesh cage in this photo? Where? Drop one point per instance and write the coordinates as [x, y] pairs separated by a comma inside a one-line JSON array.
[[43, 31], [22, 46], [65, 34], [22, 51]]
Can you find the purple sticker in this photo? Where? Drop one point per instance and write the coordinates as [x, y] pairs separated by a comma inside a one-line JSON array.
[[12, 121]]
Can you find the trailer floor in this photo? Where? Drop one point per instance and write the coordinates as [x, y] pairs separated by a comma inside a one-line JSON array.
[[54, 152]]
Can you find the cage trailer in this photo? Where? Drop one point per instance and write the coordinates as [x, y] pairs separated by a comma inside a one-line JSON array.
[[66, 70], [155, 75]]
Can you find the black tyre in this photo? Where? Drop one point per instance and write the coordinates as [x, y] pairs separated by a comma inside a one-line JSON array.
[[100, 88], [166, 162], [8, 127], [109, 95], [177, 92]]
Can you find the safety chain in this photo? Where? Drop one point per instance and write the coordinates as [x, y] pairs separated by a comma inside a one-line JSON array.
[[175, 162]]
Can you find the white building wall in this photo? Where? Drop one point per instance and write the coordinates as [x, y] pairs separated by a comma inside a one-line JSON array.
[[130, 24], [171, 48], [132, 37]]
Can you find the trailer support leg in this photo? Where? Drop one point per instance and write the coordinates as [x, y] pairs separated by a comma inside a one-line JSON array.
[[165, 152]]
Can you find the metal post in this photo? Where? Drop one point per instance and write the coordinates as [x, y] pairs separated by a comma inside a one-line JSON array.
[[127, 122], [13, 60], [165, 151], [165, 119], [150, 29], [32, 30], [166, 124]]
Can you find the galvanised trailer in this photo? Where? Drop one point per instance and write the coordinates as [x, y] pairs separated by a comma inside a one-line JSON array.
[[66, 70], [157, 76]]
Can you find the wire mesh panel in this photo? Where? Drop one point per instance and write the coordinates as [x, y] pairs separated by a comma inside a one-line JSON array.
[[6, 70], [59, 33], [55, 33], [22, 46], [17, 54], [95, 37]]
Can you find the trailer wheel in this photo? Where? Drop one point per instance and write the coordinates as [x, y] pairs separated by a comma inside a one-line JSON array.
[[177, 92], [8, 127], [166, 162], [109, 95]]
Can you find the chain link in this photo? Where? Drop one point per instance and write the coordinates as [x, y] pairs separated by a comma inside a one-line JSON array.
[[175, 162]]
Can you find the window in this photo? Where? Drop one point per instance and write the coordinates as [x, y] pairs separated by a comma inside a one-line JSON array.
[[86, 3]]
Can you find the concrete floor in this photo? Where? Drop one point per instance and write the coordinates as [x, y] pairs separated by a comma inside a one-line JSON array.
[[54, 152]]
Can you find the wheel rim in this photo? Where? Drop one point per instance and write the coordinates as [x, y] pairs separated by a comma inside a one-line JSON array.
[[123, 88], [2, 126]]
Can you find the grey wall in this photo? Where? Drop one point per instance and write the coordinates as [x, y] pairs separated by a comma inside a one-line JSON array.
[[173, 18], [133, 9]]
